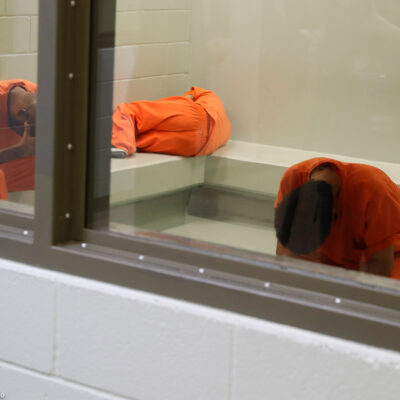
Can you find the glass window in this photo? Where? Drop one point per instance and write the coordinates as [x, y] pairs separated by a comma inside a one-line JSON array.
[[18, 90], [215, 111]]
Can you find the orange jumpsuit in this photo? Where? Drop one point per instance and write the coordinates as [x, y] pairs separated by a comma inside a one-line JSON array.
[[3, 187], [174, 125], [19, 174], [368, 213]]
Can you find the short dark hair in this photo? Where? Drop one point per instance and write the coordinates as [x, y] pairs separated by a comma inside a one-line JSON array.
[[303, 219]]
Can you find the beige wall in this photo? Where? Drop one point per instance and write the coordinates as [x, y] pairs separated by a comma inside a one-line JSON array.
[[153, 49], [19, 34], [152, 54], [317, 75]]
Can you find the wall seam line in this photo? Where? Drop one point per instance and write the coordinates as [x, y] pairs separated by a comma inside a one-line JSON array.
[[232, 347], [148, 77], [62, 381], [55, 308]]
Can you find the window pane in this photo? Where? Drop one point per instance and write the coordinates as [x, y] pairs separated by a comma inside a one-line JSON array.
[[298, 80], [18, 87]]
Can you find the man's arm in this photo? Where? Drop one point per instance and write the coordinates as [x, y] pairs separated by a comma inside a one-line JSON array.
[[25, 148], [380, 263]]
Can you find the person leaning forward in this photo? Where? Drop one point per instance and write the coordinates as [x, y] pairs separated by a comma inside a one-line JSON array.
[[341, 214], [194, 124], [17, 135]]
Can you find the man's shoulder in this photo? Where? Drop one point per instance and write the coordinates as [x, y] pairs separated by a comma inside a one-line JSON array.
[[366, 181], [367, 173]]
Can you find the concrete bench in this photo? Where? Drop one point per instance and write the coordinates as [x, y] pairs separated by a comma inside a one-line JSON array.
[[259, 168], [147, 175], [241, 166]]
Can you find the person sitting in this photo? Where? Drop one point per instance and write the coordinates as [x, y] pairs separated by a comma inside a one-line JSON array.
[[17, 142], [341, 214]]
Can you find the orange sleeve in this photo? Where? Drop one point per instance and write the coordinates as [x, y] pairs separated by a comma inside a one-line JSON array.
[[382, 213], [3, 187]]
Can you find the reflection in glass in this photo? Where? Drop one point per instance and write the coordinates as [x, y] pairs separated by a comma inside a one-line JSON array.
[[18, 65], [297, 80]]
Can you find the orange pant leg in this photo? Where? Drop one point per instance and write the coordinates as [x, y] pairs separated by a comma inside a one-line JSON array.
[[123, 129], [175, 125], [219, 125]]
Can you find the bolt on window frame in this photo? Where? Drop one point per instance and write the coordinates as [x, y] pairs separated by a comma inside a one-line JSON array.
[[288, 291]]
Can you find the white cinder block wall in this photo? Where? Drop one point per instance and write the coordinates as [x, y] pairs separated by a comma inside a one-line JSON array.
[[152, 46], [152, 49], [19, 37], [67, 338]]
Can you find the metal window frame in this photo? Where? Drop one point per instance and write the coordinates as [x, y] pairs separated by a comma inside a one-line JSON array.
[[331, 301]]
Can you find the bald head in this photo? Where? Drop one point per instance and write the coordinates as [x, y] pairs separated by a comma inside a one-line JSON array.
[[21, 109]]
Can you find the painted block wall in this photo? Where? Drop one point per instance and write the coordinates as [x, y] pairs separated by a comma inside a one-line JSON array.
[[152, 46], [68, 338], [19, 33], [316, 75], [152, 49]]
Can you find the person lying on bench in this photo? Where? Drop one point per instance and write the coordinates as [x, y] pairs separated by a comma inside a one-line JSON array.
[[194, 124]]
